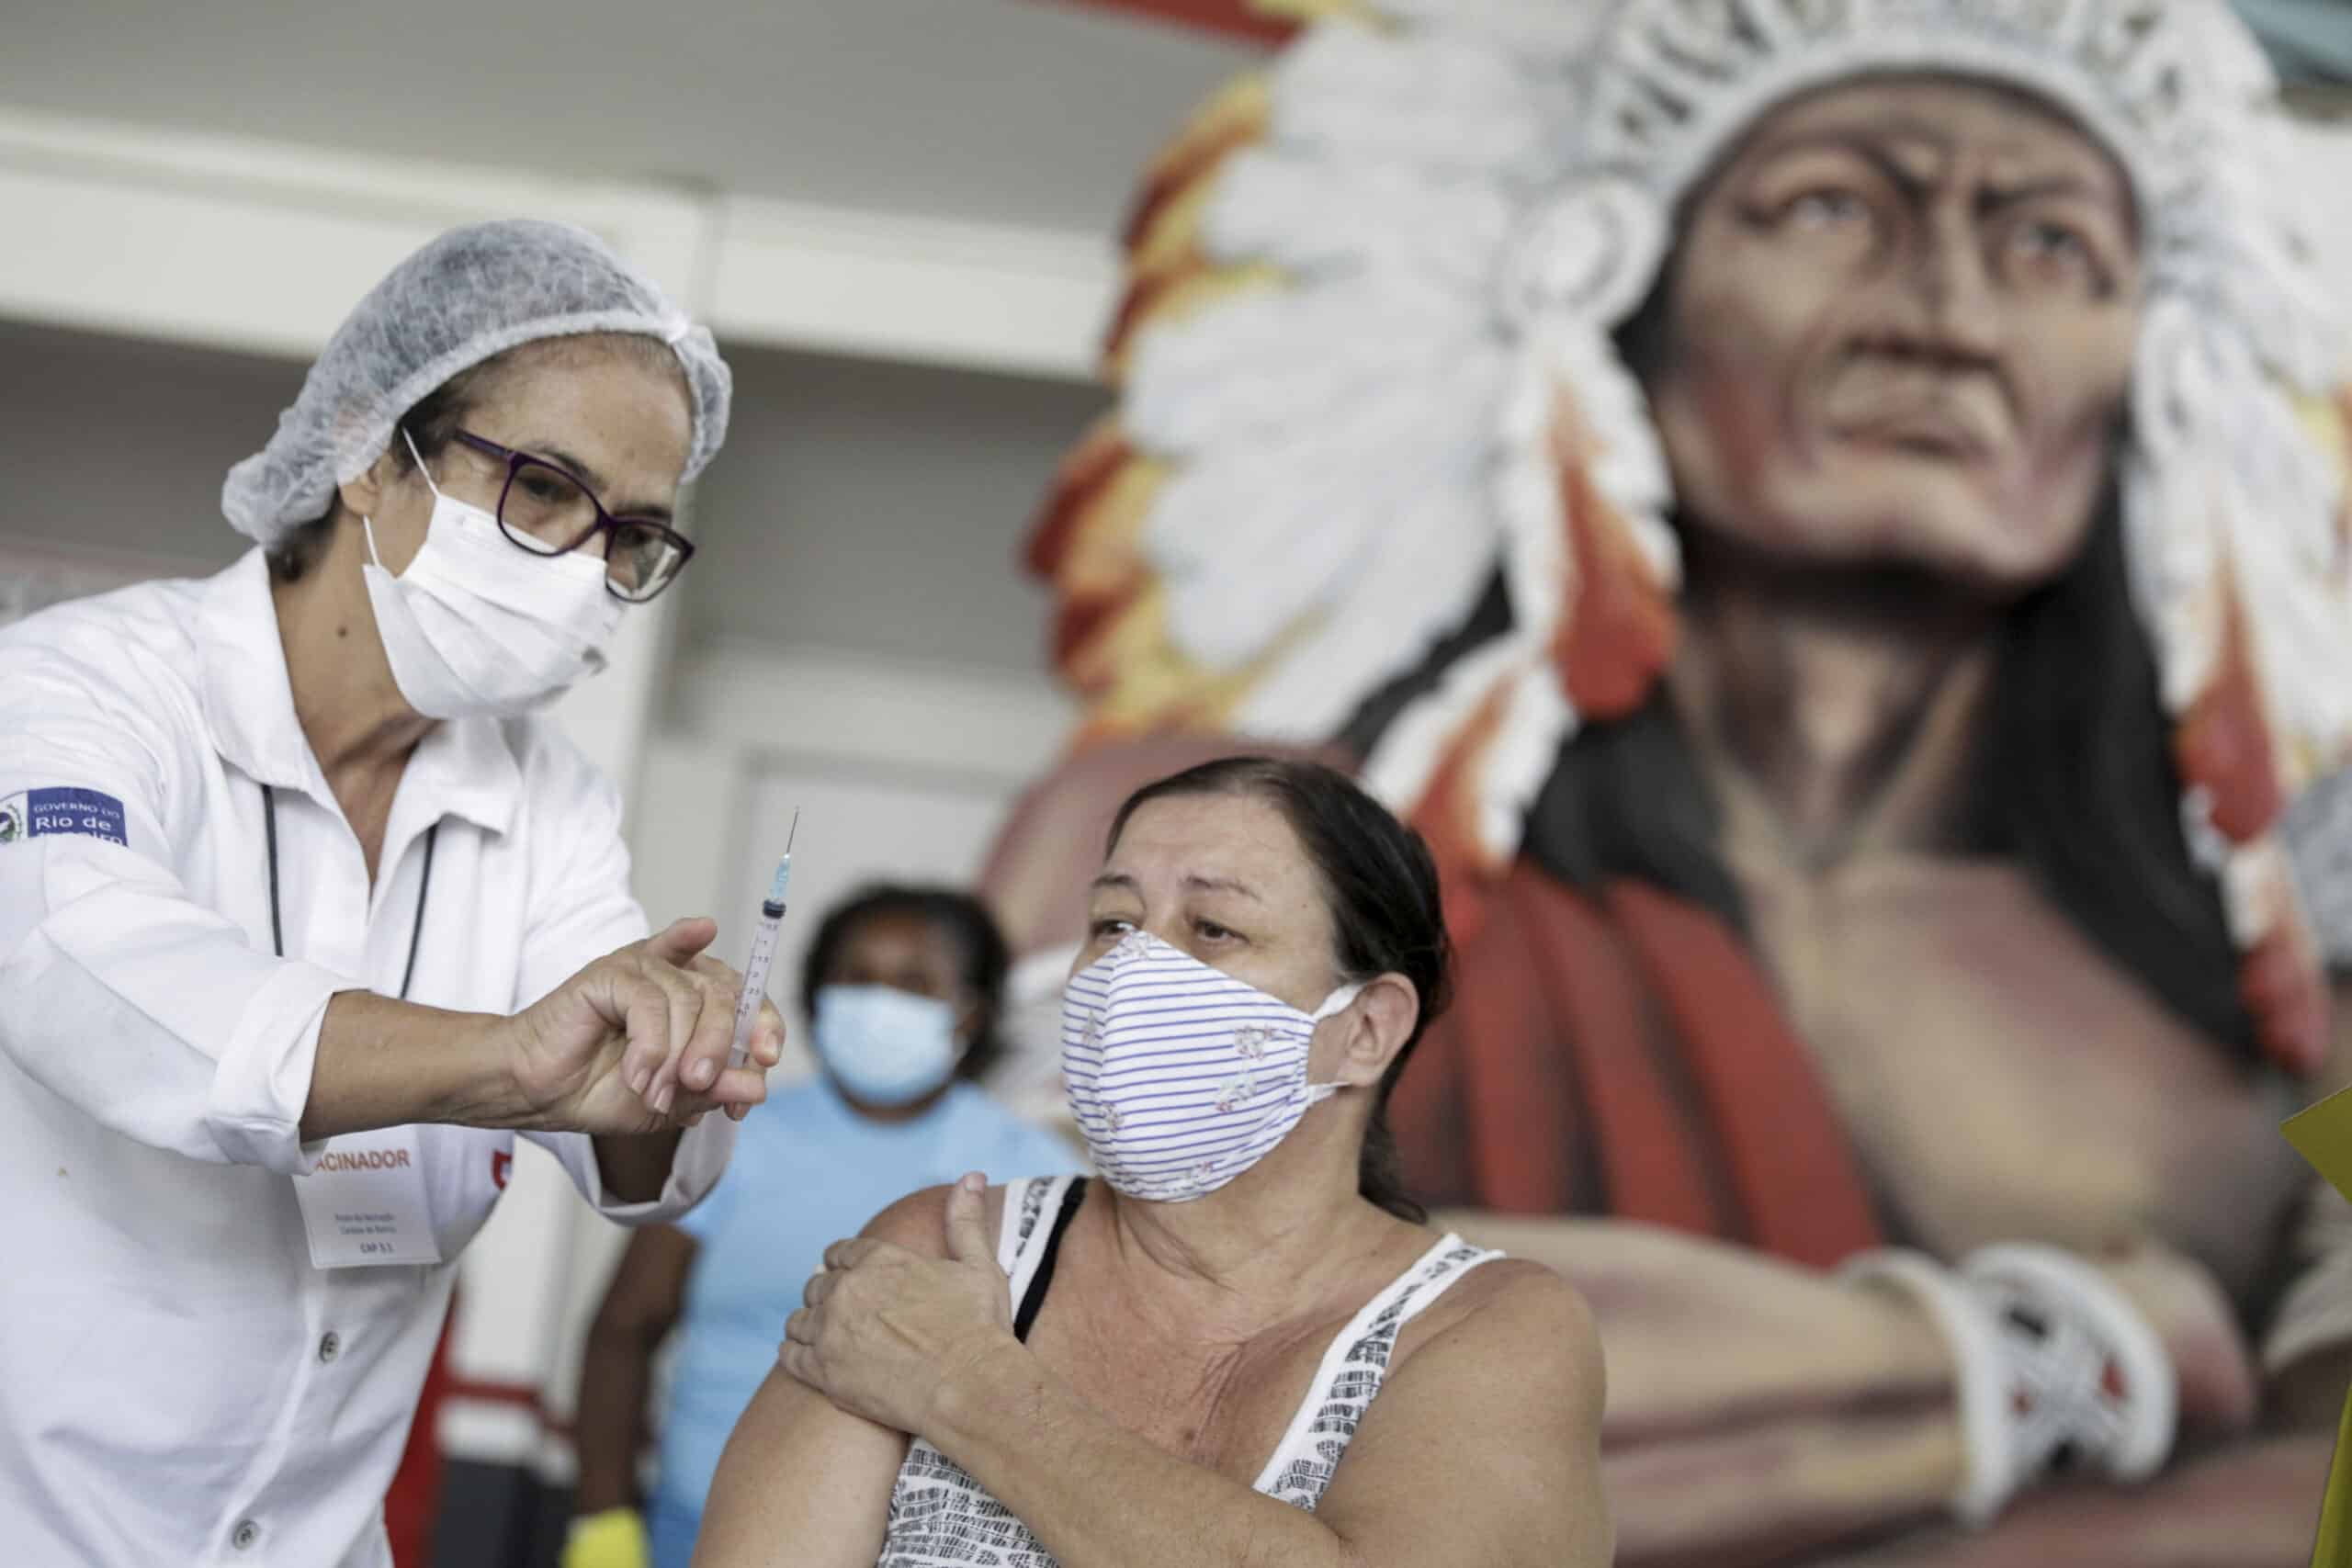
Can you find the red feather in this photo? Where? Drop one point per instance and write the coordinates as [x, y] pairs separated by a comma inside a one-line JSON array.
[[1237, 18]]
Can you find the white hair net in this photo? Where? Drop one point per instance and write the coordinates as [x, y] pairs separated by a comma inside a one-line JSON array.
[[472, 293]]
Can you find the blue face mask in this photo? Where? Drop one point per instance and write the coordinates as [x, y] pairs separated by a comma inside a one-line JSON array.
[[885, 1046]]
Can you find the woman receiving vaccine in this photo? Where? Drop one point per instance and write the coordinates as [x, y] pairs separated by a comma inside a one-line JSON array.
[[903, 987], [1238, 1344]]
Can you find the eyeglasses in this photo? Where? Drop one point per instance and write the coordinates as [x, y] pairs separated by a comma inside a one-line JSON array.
[[548, 510]]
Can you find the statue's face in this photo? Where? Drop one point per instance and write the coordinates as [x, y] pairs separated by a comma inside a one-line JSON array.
[[1899, 332]]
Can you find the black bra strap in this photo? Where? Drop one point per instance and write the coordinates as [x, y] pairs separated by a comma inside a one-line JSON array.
[[270, 825], [276, 918], [416, 931], [1036, 1295]]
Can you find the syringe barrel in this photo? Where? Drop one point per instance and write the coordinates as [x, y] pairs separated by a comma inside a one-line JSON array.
[[755, 969], [755, 983]]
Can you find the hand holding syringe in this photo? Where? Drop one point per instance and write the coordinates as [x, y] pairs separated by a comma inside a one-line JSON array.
[[755, 969]]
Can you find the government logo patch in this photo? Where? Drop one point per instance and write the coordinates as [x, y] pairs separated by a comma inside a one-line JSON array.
[[38, 813]]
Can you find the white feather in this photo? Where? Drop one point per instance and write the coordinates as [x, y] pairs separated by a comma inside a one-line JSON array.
[[1537, 719], [1403, 763], [1630, 465], [1250, 369], [2172, 549], [1537, 568], [2254, 882], [1419, 585], [1526, 747], [1558, 32], [2290, 564], [1442, 102], [2282, 279], [1306, 216], [1248, 540]]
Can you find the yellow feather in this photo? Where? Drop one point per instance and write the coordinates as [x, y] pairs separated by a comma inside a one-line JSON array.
[[2327, 420], [1235, 114], [1104, 545], [1313, 10], [1139, 682], [1150, 686], [1169, 241]]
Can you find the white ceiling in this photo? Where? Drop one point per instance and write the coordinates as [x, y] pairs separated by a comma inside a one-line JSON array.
[[1018, 111]]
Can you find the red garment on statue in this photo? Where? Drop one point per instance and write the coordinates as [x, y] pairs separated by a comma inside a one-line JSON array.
[[1625, 1055]]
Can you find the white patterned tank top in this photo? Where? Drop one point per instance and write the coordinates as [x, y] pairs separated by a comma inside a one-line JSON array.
[[941, 1517]]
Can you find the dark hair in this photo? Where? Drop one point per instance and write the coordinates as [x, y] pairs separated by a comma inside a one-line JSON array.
[[1380, 885], [964, 920]]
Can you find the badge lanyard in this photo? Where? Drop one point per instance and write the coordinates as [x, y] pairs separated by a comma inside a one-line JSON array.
[[276, 923], [367, 1203]]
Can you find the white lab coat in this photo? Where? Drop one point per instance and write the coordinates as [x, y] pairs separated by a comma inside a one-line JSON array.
[[178, 1384]]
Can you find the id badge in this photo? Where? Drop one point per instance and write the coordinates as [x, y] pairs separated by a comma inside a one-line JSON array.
[[365, 1205]]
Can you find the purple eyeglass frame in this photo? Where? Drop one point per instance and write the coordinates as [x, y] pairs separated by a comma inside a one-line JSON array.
[[606, 524]]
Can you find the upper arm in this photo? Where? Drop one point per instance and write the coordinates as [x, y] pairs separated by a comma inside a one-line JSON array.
[[62, 728], [917, 1222], [801, 1482], [100, 940], [1483, 1445]]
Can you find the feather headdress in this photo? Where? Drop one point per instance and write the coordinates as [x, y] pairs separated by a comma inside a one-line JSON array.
[[1366, 364]]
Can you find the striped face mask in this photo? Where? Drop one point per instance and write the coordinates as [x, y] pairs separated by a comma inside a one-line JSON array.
[[1182, 1076]]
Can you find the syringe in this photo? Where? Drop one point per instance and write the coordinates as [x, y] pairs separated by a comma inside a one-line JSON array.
[[755, 970]]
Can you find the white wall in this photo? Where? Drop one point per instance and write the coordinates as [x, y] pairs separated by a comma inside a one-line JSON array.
[[879, 508], [118, 447]]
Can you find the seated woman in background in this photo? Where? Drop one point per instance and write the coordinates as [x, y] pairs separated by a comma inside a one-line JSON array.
[[1240, 1346], [903, 987]]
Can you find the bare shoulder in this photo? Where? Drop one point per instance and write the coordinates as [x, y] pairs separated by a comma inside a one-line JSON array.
[[1512, 1312], [917, 1222], [1496, 1415], [1512, 1294]]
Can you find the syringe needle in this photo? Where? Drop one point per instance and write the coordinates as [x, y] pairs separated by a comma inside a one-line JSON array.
[[792, 832]]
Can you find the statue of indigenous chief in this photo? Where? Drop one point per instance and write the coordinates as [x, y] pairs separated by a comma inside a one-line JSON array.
[[1831, 517]]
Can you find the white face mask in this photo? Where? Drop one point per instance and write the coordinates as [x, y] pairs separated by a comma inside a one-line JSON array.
[[478, 625], [886, 1046], [1182, 1076]]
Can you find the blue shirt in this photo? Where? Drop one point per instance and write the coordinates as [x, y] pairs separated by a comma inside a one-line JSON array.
[[808, 1171]]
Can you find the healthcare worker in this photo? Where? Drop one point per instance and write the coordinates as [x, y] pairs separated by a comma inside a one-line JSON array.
[[303, 917]]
